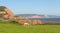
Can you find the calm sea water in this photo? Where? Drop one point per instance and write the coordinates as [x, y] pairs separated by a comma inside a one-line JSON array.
[[48, 19]]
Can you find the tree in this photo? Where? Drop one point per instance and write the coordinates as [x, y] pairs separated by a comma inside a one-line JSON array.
[[2, 8]]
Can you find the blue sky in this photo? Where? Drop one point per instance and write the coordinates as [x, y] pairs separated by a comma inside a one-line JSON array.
[[50, 7]]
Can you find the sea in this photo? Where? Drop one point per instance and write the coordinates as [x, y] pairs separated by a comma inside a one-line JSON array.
[[47, 20]]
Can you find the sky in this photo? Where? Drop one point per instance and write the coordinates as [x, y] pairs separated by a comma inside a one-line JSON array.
[[49, 7]]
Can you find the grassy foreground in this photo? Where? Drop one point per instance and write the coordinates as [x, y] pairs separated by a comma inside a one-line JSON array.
[[15, 28]]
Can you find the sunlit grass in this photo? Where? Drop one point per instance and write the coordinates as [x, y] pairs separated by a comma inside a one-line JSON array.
[[15, 28]]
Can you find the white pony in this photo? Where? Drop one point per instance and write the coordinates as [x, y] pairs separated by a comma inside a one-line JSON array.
[[26, 24]]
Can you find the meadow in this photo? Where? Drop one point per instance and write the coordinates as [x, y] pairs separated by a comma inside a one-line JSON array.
[[16, 28]]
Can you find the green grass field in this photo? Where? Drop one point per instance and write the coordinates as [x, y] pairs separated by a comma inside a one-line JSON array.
[[15, 28]]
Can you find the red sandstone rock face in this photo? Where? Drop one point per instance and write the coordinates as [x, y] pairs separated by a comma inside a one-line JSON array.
[[23, 21], [36, 22], [5, 16], [33, 22], [35, 17], [9, 13]]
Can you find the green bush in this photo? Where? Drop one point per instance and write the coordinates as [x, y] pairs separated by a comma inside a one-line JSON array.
[[2, 8], [8, 21]]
